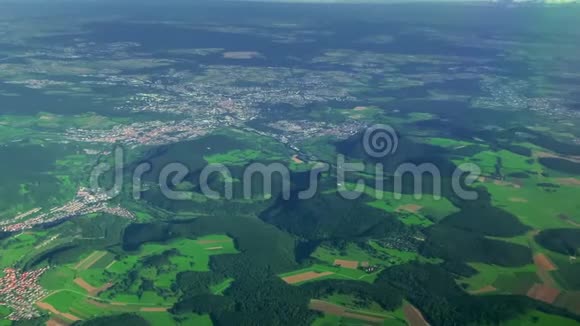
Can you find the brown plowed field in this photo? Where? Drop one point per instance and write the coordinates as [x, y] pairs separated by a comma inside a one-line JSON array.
[[154, 309], [56, 322], [414, 316], [336, 310], [293, 279], [543, 262], [46, 306], [568, 181], [352, 264], [543, 292], [297, 160], [411, 208], [92, 291]]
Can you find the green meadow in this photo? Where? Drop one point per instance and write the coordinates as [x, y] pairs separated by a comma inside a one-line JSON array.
[[351, 252], [505, 162], [505, 279], [165, 318], [78, 305], [422, 211], [196, 252], [4, 312], [446, 142], [355, 305], [428, 208], [20, 246], [219, 289], [186, 255], [235, 157], [61, 278], [537, 206]]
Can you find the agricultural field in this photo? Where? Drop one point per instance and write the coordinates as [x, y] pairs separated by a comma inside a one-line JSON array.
[[345, 309], [87, 288], [320, 272], [15, 248], [411, 211], [375, 255], [169, 260], [219, 288], [4, 312], [502, 279], [164, 318], [538, 202]]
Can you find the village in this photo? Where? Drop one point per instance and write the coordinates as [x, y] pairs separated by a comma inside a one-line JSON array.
[[19, 291], [85, 202]]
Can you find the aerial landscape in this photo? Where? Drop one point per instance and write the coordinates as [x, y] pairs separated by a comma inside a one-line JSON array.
[[289, 163]]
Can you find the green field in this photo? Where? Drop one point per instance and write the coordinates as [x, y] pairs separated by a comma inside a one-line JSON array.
[[446, 142], [78, 305], [192, 252], [188, 254], [381, 256], [428, 208], [17, 247], [251, 147], [4, 312], [221, 287], [165, 318], [60, 278], [398, 257], [505, 279], [423, 211], [535, 206], [338, 273], [504, 161], [351, 252], [355, 305], [235, 157]]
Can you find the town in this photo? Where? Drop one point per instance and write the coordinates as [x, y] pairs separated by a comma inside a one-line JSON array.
[[85, 202], [143, 133], [19, 291]]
